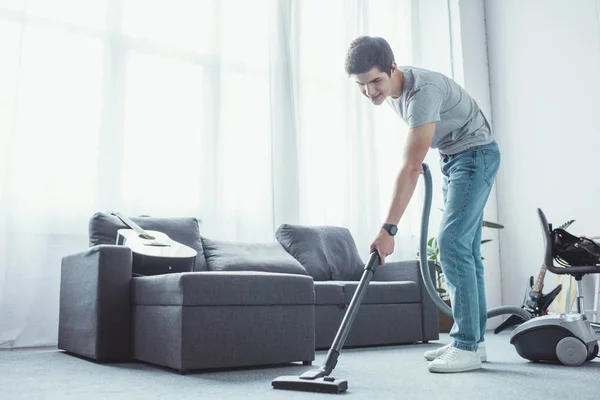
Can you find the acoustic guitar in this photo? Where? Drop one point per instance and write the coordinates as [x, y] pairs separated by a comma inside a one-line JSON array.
[[154, 252]]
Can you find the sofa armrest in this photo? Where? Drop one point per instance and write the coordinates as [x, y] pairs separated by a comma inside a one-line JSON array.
[[94, 310], [411, 271]]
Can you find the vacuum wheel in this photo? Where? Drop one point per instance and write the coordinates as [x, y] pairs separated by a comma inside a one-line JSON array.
[[593, 353], [571, 351]]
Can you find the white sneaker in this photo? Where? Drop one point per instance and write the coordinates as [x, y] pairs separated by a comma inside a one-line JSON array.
[[455, 360], [431, 355]]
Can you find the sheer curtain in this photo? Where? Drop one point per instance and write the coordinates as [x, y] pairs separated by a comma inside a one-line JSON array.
[[236, 112]]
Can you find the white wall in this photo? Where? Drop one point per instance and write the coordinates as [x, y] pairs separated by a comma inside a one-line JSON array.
[[544, 63]]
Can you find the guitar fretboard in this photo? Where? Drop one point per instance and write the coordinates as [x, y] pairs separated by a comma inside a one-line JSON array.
[[539, 282], [138, 229]]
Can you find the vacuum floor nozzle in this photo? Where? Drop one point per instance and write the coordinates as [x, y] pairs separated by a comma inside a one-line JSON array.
[[326, 384]]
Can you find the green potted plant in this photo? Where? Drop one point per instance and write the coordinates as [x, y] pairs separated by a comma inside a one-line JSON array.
[[433, 254]]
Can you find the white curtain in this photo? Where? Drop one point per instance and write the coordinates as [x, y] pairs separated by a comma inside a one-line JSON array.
[[236, 112]]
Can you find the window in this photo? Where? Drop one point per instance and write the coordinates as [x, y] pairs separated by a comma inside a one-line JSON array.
[[56, 119]]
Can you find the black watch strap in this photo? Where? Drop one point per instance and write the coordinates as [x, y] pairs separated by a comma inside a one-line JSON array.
[[390, 228]]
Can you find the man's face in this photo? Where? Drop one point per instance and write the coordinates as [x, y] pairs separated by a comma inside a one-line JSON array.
[[374, 84]]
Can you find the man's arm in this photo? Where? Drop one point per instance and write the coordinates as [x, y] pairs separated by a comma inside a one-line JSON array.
[[417, 144]]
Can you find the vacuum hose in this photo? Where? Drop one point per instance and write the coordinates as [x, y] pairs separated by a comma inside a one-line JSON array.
[[427, 280]]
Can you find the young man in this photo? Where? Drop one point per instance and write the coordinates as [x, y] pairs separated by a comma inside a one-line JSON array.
[[440, 114]]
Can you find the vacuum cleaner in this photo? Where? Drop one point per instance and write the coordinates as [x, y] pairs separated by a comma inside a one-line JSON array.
[[319, 380], [566, 338]]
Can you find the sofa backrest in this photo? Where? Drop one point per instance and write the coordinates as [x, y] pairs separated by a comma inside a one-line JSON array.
[[326, 252], [103, 229]]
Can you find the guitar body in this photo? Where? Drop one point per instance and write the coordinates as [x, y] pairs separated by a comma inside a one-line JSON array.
[[155, 253], [535, 302]]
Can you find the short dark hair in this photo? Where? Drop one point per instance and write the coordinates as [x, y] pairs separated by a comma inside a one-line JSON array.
[[366, 52]]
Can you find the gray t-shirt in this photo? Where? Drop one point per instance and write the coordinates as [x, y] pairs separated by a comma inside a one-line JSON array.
[[430, 96]]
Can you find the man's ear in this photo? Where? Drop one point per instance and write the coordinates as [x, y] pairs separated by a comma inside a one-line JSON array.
[[394, 67]]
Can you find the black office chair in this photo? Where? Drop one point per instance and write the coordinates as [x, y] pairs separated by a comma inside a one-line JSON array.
[[577, 271]]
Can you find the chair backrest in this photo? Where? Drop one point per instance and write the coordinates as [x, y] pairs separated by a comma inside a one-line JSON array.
[[548, 259], [576, 270]]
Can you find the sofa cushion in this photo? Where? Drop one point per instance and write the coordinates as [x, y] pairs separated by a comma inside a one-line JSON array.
[[386, 292], [329, 293], [241, 288], [236, 256], [341, 292], [326, 252], [103, 229]]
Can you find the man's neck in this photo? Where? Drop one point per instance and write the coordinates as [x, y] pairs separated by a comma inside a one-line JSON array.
[[398, 84]]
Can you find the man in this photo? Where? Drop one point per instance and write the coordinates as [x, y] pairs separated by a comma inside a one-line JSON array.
[[440, 114]]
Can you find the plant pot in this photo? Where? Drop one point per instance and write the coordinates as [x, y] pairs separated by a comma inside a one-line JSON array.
[[445, 322]]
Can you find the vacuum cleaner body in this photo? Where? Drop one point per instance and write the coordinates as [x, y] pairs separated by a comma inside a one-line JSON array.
[[565, 338]]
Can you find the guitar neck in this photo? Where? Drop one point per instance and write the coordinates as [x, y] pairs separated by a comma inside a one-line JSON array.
[[138, 229], [539, 282]]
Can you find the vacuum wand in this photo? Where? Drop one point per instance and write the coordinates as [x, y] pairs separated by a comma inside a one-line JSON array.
[[318, 380], [342, 334]]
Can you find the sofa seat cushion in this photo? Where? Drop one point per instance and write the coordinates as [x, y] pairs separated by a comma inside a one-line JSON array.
[[341, 292], [223, 289], [329, 292]]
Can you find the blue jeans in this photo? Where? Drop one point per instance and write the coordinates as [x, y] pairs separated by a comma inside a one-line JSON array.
[[468, 178]]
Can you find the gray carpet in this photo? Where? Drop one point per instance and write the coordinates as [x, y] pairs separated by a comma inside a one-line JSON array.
[[376, 373]]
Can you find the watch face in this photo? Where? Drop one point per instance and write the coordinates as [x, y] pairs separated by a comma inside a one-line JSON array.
[[393, 230]]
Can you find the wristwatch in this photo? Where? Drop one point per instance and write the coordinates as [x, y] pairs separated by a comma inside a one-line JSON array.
[[390, 228]]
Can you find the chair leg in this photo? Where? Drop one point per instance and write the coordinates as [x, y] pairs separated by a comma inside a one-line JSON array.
[[580, 307], [596, 297]]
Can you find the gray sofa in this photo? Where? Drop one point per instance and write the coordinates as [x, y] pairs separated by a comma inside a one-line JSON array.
[[396, 308], [245, 304]]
